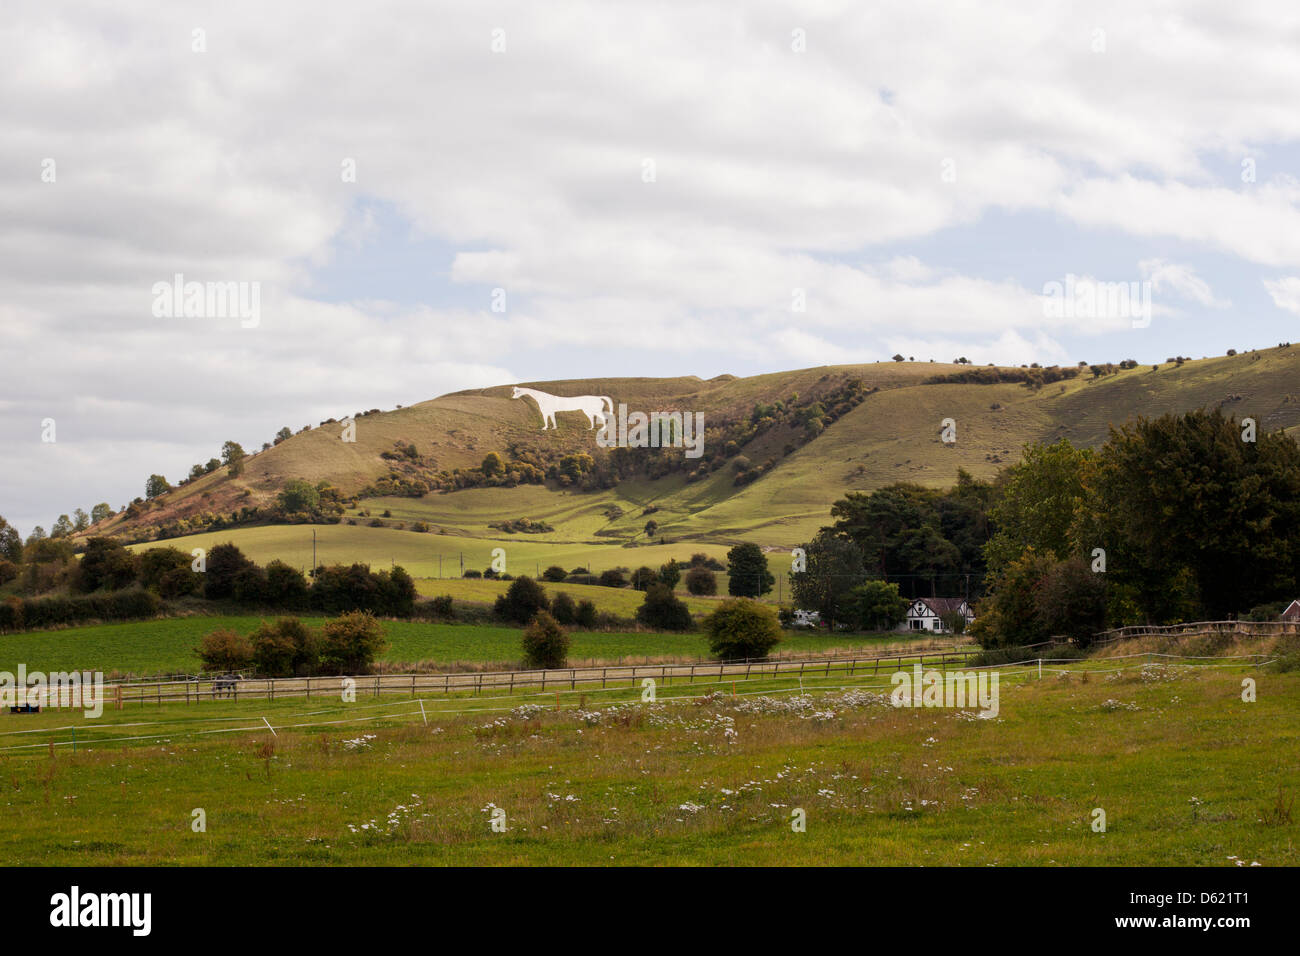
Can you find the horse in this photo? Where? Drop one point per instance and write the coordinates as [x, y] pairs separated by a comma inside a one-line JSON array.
[[593, 406], [225, 685]]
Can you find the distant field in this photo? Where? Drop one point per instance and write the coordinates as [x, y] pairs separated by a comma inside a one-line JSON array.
[[166, 646], [1186, 773], [621, 601]]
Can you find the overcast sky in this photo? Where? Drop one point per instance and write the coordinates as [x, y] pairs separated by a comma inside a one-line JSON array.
[[654, 187]]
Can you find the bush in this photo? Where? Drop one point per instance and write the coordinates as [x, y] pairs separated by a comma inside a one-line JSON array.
[[663, 611], [555, 573], [157, 563], [285, 647], [106, 564], [741, 628], [701, 581], [670, 574], [441, 606], [878, 606], [471, 573], [643, 577], [612, 578], [545, 643], [585, 615], [224, 650], [522, 601], [224, 562], [563, 609], [285, 586], [351, 642]]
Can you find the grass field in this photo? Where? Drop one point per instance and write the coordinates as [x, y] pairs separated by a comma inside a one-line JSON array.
[[1185, 771], [167, 646]]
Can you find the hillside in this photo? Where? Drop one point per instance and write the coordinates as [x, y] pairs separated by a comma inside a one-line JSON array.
[[889, 432]]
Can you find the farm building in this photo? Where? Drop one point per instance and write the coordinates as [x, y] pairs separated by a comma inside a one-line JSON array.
[[926, 614], [1292, 614]]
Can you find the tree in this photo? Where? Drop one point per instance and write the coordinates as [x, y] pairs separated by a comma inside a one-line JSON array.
[[585, 615], [670, 573], [1039, 502], [62, 527], [834, 568], [106, 564], [157, 563], [493, 465], [101, 512], [351, 642], [1193, 518], [224, 650], [11, 542], [651, 527], [80, 520], [1071, 601], [701, 581], [1008, 616], [232, 453], [224, 563], [613, 578], [742, 628], [898, 358], [747, 573], [545, 643], [662, 610], [155, 486], [522, 600], [283, 434], [285, 586], [299, 495], [563, 608], [554, 574], [876, 606], [643, 577]]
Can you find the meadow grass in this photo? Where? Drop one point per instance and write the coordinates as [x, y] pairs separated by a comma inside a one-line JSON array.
[[166, 646], [1186, 771]]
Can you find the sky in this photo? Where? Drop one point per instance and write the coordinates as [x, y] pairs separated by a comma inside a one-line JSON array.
[[436, 196]]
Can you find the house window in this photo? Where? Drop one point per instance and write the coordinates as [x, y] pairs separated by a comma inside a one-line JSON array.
[[915, 624]]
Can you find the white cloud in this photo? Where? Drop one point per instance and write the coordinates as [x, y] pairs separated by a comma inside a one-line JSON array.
[[1285, 292]]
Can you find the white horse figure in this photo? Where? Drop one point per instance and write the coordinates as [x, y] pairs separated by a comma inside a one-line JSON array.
[[595, 407]]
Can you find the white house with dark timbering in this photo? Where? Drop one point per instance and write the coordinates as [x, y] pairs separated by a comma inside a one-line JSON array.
[[926, 614]]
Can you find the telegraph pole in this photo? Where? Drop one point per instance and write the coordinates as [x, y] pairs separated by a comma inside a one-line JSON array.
[[313, 552]]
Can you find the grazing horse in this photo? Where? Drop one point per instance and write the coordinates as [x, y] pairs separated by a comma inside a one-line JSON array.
[[224, 685], [593, 406]]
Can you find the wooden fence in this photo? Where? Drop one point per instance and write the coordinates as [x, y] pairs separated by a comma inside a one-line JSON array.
[[201, 689], [1201, 629]]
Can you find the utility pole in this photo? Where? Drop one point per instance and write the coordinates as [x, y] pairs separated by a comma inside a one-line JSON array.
[[313, 552]]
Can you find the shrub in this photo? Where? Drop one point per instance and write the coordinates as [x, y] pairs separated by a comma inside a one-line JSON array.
[[663, 611], [700, 580], [107, 564], [442, 606], [224, 562], [742, 628], [224, 650], [285, 586], [670, 574], [563, 609], [554, 573], [285, 647], [643, 577], [157, 563], [522, 601], [612, 578], [878, 606], [545, 643], [250, 585], [351, 642], [585, 614]]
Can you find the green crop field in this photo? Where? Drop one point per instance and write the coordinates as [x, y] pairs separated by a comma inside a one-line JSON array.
[[1185, 771], [167, 646]]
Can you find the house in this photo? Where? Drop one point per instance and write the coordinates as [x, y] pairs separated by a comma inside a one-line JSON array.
[[807, 618], [926, 614], [1291, 615]]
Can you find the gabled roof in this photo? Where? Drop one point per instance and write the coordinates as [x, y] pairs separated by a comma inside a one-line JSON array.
[[1293, 610], [942, 605]]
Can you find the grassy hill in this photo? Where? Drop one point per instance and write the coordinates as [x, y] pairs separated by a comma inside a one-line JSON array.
[[892, 435]]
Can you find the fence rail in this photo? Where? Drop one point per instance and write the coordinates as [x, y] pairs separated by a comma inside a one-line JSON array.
[[199, 690], [1201, 629]]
